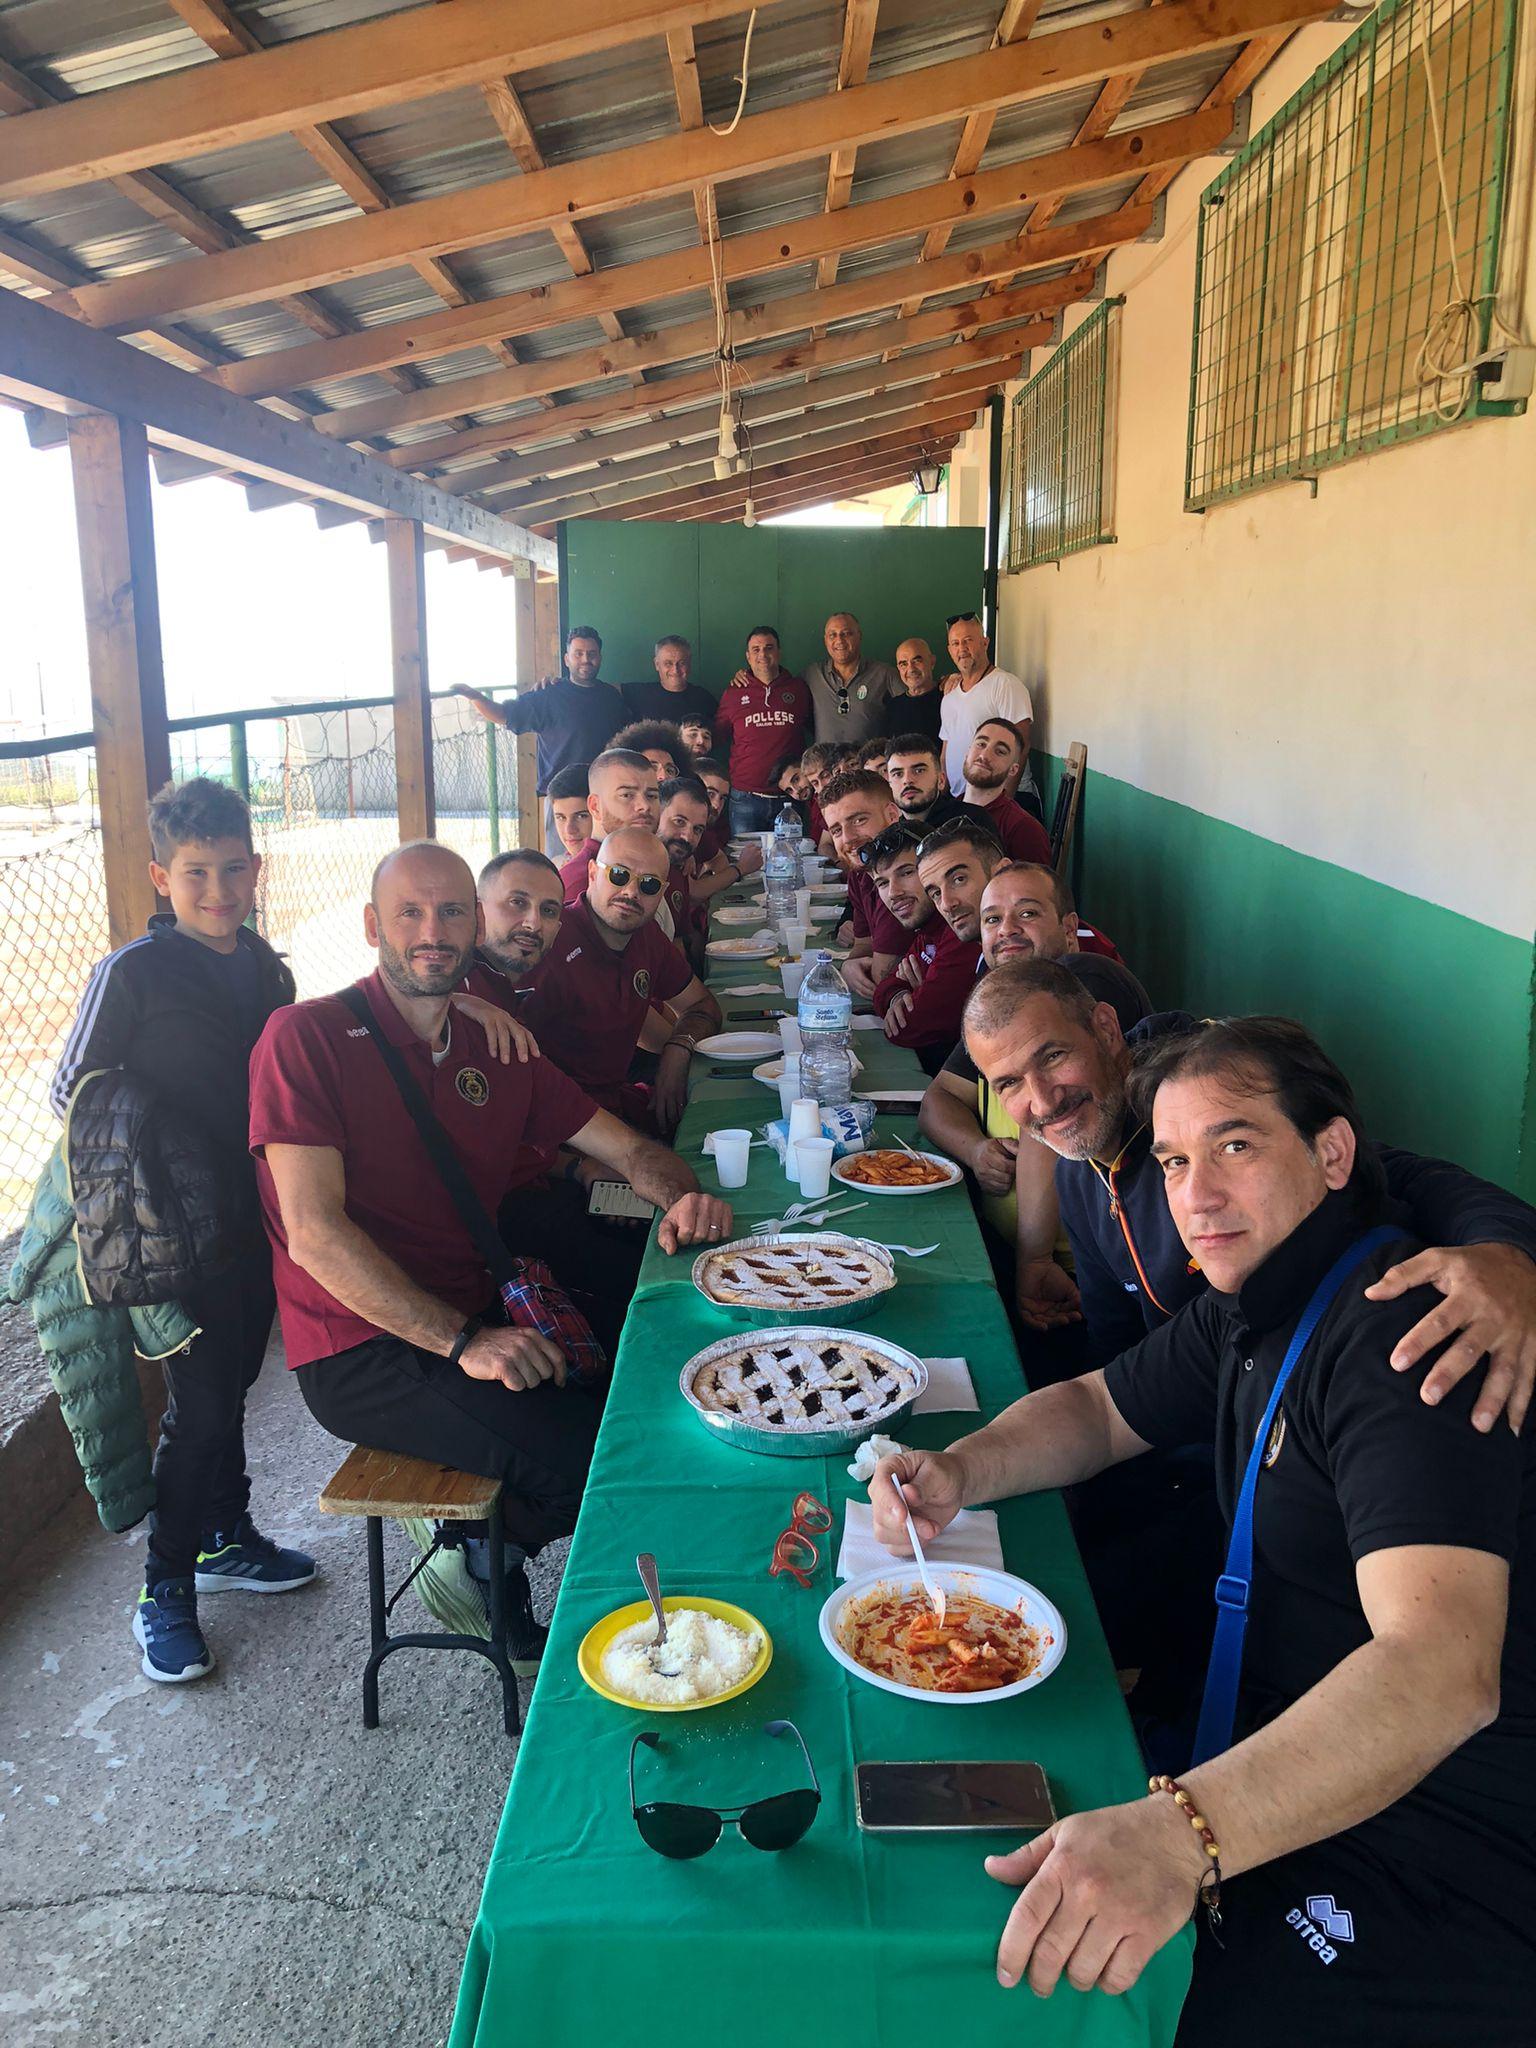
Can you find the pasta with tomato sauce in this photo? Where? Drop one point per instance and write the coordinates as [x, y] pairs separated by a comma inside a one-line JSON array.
[[977, 1647]]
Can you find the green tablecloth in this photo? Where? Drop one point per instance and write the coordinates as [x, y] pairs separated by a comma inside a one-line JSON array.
[[584, 1936]]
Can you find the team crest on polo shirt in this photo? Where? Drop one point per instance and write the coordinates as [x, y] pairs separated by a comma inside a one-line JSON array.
[[862, 691], [642, 982], [1276, 1439], [786, 696], [473, 1086]]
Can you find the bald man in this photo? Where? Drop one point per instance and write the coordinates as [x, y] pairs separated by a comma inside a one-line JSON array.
[[391, 1317], [916, 706], [608, 967], [848, 691]]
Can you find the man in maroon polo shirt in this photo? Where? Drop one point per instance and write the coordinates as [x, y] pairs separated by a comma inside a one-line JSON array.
[[684, 814], [993, 763], [858, 806], [622, 789], [609, 965], [922, 998], [386, 1306], [764, 713], [955, 864]]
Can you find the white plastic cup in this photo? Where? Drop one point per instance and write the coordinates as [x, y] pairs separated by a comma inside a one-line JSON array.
[[791, 974], [802, 906], [794, 938], [815, 1160], [804, 1119], [789, 1086], [733, 1150], [789, 1036]]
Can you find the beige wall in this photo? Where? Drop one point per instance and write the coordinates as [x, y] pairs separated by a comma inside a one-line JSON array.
[[1353, 675]]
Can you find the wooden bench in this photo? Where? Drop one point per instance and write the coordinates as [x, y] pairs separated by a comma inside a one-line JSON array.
[[376, 1484]]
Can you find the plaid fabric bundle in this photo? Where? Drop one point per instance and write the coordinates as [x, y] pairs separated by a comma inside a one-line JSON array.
[[535, 1300]]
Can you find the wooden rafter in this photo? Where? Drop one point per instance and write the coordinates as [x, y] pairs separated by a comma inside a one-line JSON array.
[[1034, 69], [696, 386], [758, 252], [852, 69]]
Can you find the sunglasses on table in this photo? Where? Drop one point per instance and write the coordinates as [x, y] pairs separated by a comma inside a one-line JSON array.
[[648, 885], [793, 1552], [685, 1831]]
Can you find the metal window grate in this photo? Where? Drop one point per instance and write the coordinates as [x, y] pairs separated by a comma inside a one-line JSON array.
[[1058, 475], [1335, 311]]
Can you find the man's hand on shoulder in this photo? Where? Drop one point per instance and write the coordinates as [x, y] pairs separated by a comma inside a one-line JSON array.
[[1488, 1311]]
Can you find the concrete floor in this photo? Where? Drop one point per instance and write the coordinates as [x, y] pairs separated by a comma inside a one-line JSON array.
[[237, 1862]]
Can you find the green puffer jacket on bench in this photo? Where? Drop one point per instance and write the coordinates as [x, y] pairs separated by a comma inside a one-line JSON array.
[[90, 1352]]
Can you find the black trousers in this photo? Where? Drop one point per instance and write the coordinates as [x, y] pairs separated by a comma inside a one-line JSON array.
[[388, 1395], [201, 1484], [1334, 1945]]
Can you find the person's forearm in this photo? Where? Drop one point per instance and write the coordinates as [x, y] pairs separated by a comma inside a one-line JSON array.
[[945, 1118], [659, 1175], [349, 1266], [1057, 1437], [698, 1021], [1039, 1209], [1360, 1738]]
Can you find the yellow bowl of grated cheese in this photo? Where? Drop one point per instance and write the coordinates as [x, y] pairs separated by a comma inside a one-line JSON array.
[[599, 1638]]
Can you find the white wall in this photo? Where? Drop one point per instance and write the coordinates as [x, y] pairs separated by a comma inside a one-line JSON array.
[[1353, 675]]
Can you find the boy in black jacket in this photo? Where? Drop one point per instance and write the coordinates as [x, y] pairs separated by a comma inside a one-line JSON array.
[[180, 1009]]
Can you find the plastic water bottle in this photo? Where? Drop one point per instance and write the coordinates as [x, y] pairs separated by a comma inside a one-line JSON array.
[[826, 1035], [788, 831], [781, 878]]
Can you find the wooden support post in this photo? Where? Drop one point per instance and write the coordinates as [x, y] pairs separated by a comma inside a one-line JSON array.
[[413, 705], [530, 820], [546, 637], [110, 461]]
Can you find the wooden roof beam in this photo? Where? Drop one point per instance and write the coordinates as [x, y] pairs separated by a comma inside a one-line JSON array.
[[862, 385], [697, 386], [1036, 69], [325, 77], [762, 250], [50, 361], [852, 69], [686, 469], [774, 317]]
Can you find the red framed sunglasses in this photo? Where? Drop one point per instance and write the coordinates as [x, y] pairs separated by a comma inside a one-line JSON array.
[[793, 1551]]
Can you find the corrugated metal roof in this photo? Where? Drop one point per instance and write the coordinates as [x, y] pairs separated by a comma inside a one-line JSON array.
[[580, 108]]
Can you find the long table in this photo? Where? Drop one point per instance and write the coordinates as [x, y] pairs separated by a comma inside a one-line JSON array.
[[584, 1935]]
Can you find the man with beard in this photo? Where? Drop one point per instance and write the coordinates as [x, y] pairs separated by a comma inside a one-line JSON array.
[[916, 705], [389, 1316], [660, 741], [923, 996], [623, 788], [992, 765], [858, 807], [914, 767], [684, 814], [574, 717], [764, 713], [956, 862], [607, 969]]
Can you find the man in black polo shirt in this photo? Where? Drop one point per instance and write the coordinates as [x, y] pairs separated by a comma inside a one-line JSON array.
[[914, 767], [1367, 1781], [574, 716]]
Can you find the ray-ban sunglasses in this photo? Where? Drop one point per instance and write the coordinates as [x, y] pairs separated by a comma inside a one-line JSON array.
[[619, 875], [683, 1831]]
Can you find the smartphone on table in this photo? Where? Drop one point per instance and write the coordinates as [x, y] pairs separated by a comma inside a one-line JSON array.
[[952, 1798]]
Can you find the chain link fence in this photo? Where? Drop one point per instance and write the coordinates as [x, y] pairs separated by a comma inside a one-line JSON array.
[[322, 788]]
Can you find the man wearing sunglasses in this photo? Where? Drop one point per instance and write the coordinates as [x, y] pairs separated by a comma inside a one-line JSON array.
[[849, 692], [977, 690], [608, 967]]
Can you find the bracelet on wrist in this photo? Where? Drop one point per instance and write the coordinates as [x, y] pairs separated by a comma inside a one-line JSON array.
[[1208, 1890], [471, 1329]]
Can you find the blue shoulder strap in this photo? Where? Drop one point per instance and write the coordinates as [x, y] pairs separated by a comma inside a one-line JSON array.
[[1218, 1707]]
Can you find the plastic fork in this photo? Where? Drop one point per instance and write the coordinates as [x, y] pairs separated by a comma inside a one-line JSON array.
[[814, 1217], [913, 1251], [935, 1592]]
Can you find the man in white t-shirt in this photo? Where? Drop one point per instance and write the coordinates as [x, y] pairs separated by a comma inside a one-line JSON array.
[[976, 691]]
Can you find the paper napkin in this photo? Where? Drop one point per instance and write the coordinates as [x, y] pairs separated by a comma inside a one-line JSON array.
[[755, 988], [971, 1538], [949, 1388]]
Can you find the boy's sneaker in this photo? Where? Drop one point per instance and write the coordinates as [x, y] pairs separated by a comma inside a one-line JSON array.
[[165, 1628], [243, 1560]]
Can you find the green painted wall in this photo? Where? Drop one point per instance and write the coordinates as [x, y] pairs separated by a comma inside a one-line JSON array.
[[1429, 1013], [633, 580]]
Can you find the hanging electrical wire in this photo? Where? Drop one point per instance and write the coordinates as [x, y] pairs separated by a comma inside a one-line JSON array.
[[741, 79]]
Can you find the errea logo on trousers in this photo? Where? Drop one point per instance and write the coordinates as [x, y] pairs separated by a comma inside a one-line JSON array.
[[1322, 1926]]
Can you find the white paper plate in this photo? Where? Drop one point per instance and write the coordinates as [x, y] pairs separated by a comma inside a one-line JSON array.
[[772, 1071], [741, 949], [1002, 1588], [738, 1045], [952, 1173], [738, 913]]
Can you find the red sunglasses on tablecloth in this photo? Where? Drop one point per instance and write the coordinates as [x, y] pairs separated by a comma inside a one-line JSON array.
[[793, 1551]]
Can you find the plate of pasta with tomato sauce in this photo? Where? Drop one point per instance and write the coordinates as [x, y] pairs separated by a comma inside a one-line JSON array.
[[998, 1636]]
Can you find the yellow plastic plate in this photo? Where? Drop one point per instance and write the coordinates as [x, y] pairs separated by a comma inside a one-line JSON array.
[[589, 1658]]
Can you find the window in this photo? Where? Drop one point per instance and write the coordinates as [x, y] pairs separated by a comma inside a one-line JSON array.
[[1058, 472], [1349, 262]]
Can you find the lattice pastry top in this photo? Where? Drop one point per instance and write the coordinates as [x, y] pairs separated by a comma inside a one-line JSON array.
[[798, 1383], [791, 1275]]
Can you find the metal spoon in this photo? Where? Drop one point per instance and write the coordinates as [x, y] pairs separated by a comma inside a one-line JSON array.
[[645, 1565]]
